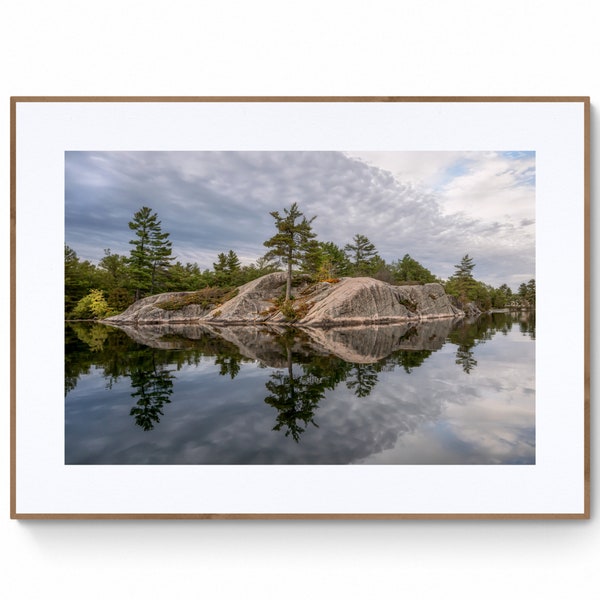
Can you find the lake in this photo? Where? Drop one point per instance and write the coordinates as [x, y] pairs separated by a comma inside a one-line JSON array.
[[436, 392]]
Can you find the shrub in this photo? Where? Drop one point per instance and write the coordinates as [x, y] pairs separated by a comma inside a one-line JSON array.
[[287, 310], [92, 306]]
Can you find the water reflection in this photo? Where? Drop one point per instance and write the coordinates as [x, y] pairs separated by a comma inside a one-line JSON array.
[[342, 395], [295, 397], [153, 387]]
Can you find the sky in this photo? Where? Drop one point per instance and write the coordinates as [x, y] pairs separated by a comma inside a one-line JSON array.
[[435, 206]]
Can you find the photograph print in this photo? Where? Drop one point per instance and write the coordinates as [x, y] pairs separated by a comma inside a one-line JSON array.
[[300, 308]]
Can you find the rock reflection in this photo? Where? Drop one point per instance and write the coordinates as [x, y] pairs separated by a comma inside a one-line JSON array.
[[352, 344], [344, 395]]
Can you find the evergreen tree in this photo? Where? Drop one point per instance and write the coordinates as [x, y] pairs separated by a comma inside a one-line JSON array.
[[410, 270], [362, 253], [220, 268], [80, 278], [527, 293], [501, 296], [313, 258], [531, 292], [461, 284], [227, 269], [325, 260], [336, 261], [114, 270], [151, 253], [186, 277], [290, 242], [234, 267], [465, 269]]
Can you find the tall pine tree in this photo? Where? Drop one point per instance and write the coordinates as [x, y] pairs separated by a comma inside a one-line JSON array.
[[462, 284], [151, 253], [290, 243]]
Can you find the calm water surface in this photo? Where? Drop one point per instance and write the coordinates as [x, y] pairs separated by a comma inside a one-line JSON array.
[[431, 393]]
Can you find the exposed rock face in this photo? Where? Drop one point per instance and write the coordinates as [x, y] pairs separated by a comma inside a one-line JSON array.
[[350, 301], [365, 300], [147, 310], [254, 302]]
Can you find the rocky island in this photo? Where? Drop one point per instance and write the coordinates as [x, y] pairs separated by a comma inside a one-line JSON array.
[[337, 302]]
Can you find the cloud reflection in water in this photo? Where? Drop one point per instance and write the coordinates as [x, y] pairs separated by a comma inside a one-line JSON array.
[[281, 397]]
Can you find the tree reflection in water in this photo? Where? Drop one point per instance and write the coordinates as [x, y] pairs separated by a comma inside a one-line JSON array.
[[153, 386], [295, 397], [302, 369], [465, 358], [362, 379]]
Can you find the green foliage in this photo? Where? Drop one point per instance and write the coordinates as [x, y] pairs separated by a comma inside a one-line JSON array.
[[186, 278], [227, 269], [287, 310], [119, 299], [325, 260], [114, 271], [363, 256], [501, 297], [382, 271], [92, 306], [461, 284], [290, 243], [408, 270], [313, 258], [465, 268], [80, 278], [481, 294], [526, 293], [335, 260], [151, 253]]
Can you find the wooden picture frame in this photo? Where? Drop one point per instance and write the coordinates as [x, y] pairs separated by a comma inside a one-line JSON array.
[[556, 485]]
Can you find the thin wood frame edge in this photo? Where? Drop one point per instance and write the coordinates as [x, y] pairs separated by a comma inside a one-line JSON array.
[[14, 100]]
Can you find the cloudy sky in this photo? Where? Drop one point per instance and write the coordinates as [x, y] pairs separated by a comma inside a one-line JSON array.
[[435, 206]]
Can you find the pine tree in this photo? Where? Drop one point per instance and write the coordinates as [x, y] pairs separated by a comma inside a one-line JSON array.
[[527, 292], [220, 268], [151, 253], [410, 270], [227, 268], [336, 260], [234, 267], [290, 242], [462, 284], [362, 253], [465, 269]]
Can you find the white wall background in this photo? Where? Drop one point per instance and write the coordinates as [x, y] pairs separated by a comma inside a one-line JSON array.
[[262, 47]]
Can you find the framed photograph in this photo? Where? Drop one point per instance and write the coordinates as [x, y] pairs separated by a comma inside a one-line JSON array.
[[300, 308]]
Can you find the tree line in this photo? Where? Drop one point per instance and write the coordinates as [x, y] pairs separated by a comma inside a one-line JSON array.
[[96, 291]]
